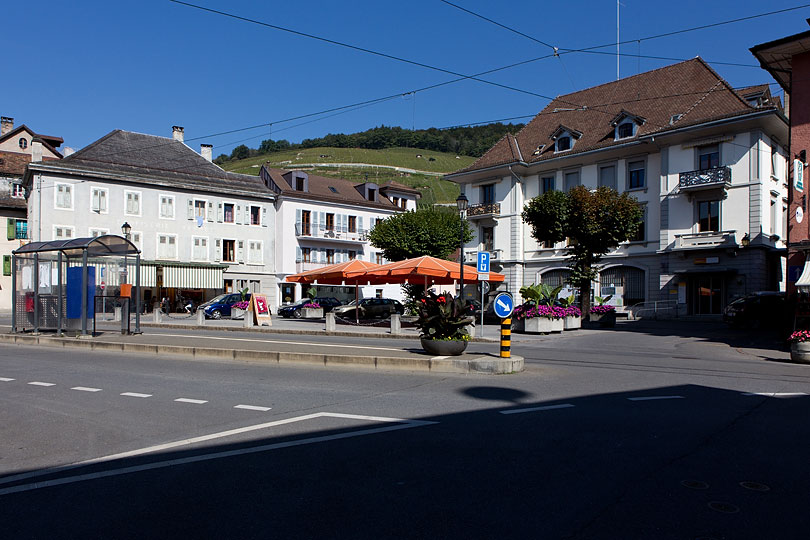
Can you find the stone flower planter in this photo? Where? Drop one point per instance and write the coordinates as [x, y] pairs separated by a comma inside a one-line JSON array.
[[543, 325], [237, 314], [312, 313], [572, 323], [605, 320], [443, 347], [800, 352]]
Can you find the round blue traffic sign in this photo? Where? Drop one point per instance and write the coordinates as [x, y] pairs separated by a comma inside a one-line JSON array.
[[503, 305]]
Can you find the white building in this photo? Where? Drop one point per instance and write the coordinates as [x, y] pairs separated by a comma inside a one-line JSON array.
[[200, 230], [706, 162], [322, 221]]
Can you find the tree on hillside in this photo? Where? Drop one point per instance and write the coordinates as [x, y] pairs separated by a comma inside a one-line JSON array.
[[240, 152], [594, 221], [424, 231]]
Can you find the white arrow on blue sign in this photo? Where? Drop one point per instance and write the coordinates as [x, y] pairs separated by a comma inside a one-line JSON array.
[[483, 262], [504, 305]]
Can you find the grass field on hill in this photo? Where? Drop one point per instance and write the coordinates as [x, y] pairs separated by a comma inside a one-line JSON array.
[[433, 188]]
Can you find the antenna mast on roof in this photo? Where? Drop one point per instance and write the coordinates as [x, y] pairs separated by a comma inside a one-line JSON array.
[[617, 39]]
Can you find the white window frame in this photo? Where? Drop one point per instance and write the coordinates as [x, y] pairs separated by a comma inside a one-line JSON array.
[[633, 130], [66, 228], [193, 256], [157, 250], [260, 245], [205, 208], [563, 135], [160, 206], [101, 210], [100, 230], [140, 203], [56, 186]]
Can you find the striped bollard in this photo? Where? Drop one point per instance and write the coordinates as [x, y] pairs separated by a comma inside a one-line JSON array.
[[506, 338]]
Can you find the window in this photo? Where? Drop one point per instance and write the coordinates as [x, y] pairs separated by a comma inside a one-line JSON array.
[[299, 184], [773, 215], [167, 246], [333, 189], [98, 198], [330, 256], [63, 196], [61, 233], [23, 142], [571, 180], [372, 194], [625, 130], [95, 233], [167, 206], [352, 255], [548, 184], [353, 224], [378, 258], [21, 229], [488, 238], [306, 255], [488, 194], [708, 216], [635, 174], [17, 191], [255, 215], [330, 222], [199, 209], [607, 176], [641, 233], [228, 216], [199, 249], [133, 203], [395, 201], [403, 203], [135, 238], [229, 250], [708, 157], [563, 144], [254, 252]]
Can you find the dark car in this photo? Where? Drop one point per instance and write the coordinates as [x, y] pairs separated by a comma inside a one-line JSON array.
[[220, 306], [489, 312], [371, 308], [328, 303], [765, 309]]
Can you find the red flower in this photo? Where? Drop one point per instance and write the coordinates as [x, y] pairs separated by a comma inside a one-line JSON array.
[[424, 301], [441, 300]]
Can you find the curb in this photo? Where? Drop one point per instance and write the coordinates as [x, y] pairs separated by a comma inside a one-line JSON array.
[[480, 365]]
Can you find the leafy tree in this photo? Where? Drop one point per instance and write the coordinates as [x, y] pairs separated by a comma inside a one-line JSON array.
[[594, 221], [424, 231], [240, 152]]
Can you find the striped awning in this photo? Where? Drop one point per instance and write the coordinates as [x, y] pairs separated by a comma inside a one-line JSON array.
[[110, 273], [803, 284], [193, 277]]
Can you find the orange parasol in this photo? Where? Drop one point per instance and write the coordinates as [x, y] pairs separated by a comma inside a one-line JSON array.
[[426, 270]]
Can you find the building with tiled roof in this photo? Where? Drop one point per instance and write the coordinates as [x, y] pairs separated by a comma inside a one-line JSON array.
[[324, 221], [706, 162], [201, 230]]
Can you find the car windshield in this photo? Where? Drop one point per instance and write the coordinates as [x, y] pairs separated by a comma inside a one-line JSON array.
[[217, 299]]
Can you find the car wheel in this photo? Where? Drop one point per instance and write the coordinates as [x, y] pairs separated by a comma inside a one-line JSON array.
[[297, 313], [216, 314]]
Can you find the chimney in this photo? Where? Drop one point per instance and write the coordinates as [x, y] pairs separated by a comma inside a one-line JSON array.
[[36, 149], [177, 133], [207, 151], [6, 125]]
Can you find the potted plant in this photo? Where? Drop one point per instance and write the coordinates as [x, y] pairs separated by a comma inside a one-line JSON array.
[[573, 316], [238, 309], [311, 310], [540, 314], [800, 346], [442, 320], [603, 313]]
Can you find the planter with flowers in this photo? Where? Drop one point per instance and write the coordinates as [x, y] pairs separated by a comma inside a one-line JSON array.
[[239, 309], [311, 311], [442, 321], [573, 318], [800, 346], [603, 314], [540, 319]]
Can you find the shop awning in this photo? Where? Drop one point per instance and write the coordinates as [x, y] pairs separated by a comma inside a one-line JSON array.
[[193, 276], [803, 284]]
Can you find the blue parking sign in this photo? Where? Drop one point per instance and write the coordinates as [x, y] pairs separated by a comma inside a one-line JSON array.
[[483, 262]]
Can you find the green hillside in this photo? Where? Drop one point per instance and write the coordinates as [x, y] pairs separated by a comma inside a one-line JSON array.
[[359, 164]]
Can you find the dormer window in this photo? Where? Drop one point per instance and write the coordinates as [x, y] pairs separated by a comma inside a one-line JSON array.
[[564, 138], [625, 125], [372, 194], [625, 130], [299, 184], [563, 144]]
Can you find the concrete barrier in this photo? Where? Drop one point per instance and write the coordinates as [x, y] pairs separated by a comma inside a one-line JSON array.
[[330, 322], [200, 317], [156, 316], [247, 319], [396, 324]]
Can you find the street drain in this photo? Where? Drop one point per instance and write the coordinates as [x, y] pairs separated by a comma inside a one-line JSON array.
[[724, 507], [695, 484], [755, 486]]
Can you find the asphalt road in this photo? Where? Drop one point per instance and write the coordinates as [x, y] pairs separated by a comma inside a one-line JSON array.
[[643, 431]]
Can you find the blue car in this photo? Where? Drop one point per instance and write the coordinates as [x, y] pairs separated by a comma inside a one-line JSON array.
[[220, 306]]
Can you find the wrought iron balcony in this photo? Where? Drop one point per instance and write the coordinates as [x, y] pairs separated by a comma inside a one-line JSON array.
[[718, 177], [484, 210]]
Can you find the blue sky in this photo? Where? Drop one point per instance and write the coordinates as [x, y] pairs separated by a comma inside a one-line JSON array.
[[81, 69]]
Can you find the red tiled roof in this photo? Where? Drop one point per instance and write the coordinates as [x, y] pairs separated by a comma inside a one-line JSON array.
[[13, 163], [691, 89]]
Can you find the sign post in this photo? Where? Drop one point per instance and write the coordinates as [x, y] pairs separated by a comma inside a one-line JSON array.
[[483, 278], [504, 305]]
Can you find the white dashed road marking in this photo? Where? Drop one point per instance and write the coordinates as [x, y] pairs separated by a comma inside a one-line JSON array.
[[189, 400], [252, 408], [135, 394], [652, 398], [5, 379], [533, 409], [86, 389], [37, 383]]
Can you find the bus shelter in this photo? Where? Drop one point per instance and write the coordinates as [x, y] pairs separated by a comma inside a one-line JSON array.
[[55, 284]]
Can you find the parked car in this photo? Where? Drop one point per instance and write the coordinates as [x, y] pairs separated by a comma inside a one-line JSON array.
[[489, 312], [220, 306], [328, 303], [764, 309], [371, 308]]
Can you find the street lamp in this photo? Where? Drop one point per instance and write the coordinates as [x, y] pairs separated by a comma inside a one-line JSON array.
[[126, 229], [461, 203]]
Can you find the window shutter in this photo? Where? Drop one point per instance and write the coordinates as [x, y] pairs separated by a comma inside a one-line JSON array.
[[11, 228], [298, 230], [219, 212], [298, 254], [360, 225], [103, 200], [238, 218], [322, 221], [95, 202], [210, 211], [6, 265], [218, 249], [240, 251], [191, 209], [264, 216]]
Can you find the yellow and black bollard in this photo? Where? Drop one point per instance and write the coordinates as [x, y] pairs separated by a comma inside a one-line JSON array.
[[506, 338]]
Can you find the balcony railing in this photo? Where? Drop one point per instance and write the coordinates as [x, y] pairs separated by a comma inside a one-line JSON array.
[[471, 255], [318, 233], [718, 177], [484, 210], [704, 240]]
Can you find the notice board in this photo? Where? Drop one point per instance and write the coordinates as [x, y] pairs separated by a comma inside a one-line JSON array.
[[260, 309]]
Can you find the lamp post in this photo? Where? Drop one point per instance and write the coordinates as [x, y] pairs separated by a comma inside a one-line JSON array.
[[126, 230], [461, 203]]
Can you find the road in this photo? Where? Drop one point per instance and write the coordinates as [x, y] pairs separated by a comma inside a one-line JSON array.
[[645, 431]]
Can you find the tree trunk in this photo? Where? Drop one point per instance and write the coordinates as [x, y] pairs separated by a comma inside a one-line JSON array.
[[585, 298]]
